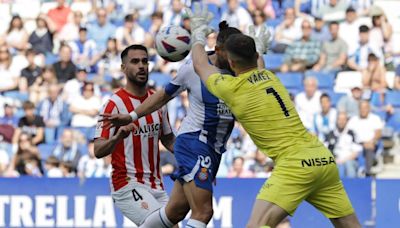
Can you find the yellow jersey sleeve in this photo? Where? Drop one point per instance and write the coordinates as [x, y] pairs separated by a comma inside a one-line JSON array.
[[220, 86]]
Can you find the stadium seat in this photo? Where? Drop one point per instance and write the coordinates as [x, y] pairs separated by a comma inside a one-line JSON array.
[[393, 98], [46, 149], [326, 80], [335, 97], [394, 122], [390, 75], [145, 24], [214, 9], [291, 80], [346, 80], [273, 61], [273, 22]]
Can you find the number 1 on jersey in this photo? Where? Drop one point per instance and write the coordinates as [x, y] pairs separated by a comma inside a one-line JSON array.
[[279, 99]]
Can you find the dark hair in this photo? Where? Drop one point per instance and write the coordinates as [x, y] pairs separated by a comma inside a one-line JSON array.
[[242, 49], [15, 17], [30, 51], [28, 105], [157, 14], [350, 10], [363, 28], [132, 47], [129, 18], [333, 23], [324, 95], [225, 31], [82, 29], [372, 57]]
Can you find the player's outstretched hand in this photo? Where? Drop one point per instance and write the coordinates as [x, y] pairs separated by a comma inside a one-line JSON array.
[[124, 131], [114, 120], [262, 40], [199, 20]]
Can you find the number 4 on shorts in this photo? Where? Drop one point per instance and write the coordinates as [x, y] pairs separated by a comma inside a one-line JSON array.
[[136, 195]]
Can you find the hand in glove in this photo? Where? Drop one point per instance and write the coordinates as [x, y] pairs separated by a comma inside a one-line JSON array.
[[199, 20], [262, 40]]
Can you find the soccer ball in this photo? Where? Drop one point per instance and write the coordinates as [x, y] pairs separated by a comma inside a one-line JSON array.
[[173, 43]]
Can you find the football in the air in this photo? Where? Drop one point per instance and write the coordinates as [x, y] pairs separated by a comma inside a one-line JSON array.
[[173, 43]]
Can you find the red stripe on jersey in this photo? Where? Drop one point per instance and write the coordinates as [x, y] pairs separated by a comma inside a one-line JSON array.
[[137, 146], [119, 177], [105, 133], [149, 120]]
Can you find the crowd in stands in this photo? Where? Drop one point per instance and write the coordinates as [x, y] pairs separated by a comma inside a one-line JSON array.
[[60, 61]]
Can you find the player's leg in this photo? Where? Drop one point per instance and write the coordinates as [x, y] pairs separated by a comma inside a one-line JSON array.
[[175, 210], [200, 201], [266, 213], [136, 202], [331, 198], [346, 221]]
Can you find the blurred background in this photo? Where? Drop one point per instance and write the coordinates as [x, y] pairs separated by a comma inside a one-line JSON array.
[[59, 62]]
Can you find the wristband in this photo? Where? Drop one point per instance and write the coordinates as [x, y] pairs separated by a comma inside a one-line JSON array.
[[133, 115]]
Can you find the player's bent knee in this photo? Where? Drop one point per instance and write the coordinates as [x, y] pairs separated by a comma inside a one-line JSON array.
[[204, 215]]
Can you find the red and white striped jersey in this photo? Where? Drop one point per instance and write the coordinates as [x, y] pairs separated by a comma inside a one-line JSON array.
[[137, 157]]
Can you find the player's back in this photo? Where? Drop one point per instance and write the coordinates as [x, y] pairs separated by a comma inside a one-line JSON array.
[[263, 106]]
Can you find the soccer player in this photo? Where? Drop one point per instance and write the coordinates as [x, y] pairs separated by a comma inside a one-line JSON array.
[[201, 138], [304, 168], [136, 181]]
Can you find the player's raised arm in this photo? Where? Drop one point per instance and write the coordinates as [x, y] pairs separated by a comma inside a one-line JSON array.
[[151, 104], [199, 19]]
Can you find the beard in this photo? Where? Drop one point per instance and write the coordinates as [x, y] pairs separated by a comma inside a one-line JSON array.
[[138, 82], [224, 65]]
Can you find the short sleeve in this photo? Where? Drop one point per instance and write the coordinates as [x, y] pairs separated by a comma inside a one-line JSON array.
[[101, 132], [180, 82], [219, 85]]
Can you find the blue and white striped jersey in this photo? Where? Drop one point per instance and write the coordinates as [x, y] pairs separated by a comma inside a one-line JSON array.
[[206, 114]]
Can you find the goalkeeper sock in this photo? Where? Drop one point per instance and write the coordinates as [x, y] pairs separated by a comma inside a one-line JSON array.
[[192, 223]]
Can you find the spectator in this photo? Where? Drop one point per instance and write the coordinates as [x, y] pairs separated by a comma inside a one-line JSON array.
[[334, 52], [52, 167], [173, 14], [238, 170], [320, 32], [109, 65], [374, 77], [54, 112], [130, 33], [85, 110], [258, 17], [286, 32], [4, 162], [324, 121], [334, 10], [17, 36], [341, 141], [68, 169], [101, 30], [67, 149], [84, 50], [359, 59], [9, 117], [308, 102], [89, 166], [143, 8], [367, 128], [397, 79], [302, 54], [156, 23], [30, 73], [236, 16], [363, 6], [26, 160], [8, 74], [70, 31], [380, 35], [41, 39], [265, 6], [59, 15], [65, 69], [30, 124], [350, 104], [38, 91], [349, 30], [73, 87], [262, 165]]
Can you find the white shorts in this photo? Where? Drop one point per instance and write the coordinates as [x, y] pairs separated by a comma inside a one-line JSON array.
[[137, 201]]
